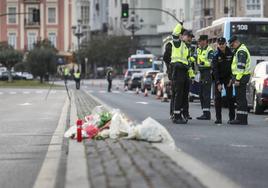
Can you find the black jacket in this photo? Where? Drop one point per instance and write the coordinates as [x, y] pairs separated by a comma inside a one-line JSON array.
[[221, 65]]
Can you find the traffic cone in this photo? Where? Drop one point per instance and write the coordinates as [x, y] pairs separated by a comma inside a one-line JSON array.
[[165, 96], [137, 91], [146, 93], [126, 88]]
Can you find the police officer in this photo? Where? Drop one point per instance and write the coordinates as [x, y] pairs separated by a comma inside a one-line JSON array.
[[177, 53], [204, 58], [241, 73], [109, 79], [66, 74], [77, 75], [187, 38], [222, 73]]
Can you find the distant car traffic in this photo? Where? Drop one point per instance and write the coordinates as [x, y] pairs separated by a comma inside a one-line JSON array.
[[257, 91], [128, 75], [147, 79], [135, 81]]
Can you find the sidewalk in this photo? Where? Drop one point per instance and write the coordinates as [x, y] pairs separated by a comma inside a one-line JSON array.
[[128, 163]]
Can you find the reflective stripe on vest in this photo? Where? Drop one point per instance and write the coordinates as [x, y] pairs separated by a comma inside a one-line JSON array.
[[179, 54], [235, 64], [202, 56]]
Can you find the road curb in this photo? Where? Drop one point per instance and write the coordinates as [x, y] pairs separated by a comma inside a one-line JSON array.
[[77, 173], [48, 172]]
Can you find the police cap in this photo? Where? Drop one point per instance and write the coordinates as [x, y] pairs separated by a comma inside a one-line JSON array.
[[232, 39], [203, 37], [188, 33], [221, 40]]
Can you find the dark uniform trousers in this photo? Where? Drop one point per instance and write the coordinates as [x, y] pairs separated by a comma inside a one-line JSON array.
[[205, 89], [230, 100], [186, 98], [241, 99], [180, 83]]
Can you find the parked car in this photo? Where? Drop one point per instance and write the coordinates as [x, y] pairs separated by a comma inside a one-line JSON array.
[[4, 76], [128, 75], [155, 82], [26, 75], [135, 81], [257, 88], [147, 79]]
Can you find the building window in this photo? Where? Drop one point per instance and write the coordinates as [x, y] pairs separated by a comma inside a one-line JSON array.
[[12, 40], [30, 16], [31, 40], [115, 3], [53, 39], [51, 15], [12, 18], [85, 14]]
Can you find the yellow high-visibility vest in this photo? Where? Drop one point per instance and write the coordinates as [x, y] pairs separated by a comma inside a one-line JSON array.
[[180, 55], [237, 71]]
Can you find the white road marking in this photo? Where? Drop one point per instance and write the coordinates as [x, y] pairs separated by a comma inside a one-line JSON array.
[[102, 91], [142, 102], [1, 93], [90, 91], [25, 104], [116, 92], [26, 92], [39, 92], [239, 146], [12, 92]]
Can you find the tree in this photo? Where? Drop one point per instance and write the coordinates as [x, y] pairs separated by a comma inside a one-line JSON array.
[[103, 51], [9, 57], [41, 60]]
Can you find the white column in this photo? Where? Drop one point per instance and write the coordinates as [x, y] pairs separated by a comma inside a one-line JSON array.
[[42, 21], [262, 8], [22, 27], [66, 25]]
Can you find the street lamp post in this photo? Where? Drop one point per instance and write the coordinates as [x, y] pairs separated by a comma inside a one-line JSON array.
[[133, 24], [77, 31]]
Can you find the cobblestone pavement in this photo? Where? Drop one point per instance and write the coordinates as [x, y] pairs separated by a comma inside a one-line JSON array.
[[129, 163]]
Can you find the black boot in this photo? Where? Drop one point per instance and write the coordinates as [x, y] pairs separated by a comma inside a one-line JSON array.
[[178, 119], [206, 116], [241, 119]]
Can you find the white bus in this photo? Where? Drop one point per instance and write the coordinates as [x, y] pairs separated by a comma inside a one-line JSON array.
[[144, 62], [253, 32]]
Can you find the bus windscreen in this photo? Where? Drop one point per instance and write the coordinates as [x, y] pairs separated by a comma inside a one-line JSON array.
[[141, 63], [254, 35]]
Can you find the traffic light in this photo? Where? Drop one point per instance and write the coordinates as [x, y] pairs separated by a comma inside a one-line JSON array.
[[36, 15], [124, 11]]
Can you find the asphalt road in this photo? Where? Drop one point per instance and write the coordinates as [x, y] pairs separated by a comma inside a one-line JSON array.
[[27, 123], [238, 152]]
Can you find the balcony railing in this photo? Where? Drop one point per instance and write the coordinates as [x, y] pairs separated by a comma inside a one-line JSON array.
[[32, 1], [31, 24]]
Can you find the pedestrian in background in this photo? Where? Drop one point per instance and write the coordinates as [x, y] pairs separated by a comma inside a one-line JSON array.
[[241, 74], [66, 74], [77, 79], [222, 73], [176, 54], [204, 59], [109, 79]]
